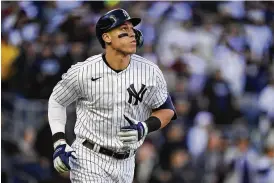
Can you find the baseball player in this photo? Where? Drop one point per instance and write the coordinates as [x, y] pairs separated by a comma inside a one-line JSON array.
[[121, 98]]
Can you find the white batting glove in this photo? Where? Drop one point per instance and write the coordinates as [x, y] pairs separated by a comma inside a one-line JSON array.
[[62, 154], [133, 133]]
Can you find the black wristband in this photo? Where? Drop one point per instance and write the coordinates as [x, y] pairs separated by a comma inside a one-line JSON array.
[[57, 136], [153, 123]]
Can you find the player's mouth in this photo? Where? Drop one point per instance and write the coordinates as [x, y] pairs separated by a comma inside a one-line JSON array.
[[133, 42]]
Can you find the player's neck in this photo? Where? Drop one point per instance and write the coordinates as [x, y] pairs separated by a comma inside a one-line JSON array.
[[117, 61]]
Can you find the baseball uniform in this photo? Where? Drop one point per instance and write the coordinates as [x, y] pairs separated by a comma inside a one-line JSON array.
[[103, 96]]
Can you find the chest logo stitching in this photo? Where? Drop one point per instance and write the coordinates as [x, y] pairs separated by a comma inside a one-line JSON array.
[[137, 95], [94, 79]]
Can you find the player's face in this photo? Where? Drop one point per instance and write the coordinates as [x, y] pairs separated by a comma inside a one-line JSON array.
[[123, 38]]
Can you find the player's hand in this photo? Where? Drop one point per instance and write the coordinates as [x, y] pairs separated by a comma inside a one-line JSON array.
[[134, 132], [62, 154]]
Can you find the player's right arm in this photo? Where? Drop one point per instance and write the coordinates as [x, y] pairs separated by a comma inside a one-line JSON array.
[[64, 93]]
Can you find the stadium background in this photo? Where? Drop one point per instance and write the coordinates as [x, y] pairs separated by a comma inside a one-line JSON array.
[[217, 58]]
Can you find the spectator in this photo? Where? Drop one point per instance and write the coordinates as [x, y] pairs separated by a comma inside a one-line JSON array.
[[242, 159], [75, 28], [258, 44], [219, 96], [210, 162], [181, 167], [234, 9], [175, 137], [149, 54], [256, 76], [230, 61], [60, 45], [198, 135], [182, 108], [180, 171], [265, 169], [76, 53], [26, 146], [266, 99], [46, 72], [8, 56], [197, 69], [145, 162], [207, 37], [22, 64], [171, 47], [23, 29]]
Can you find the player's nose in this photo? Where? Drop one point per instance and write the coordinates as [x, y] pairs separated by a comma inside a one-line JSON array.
[[132, 33]]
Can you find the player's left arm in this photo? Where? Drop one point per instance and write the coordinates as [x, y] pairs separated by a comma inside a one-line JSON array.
[[163, 111], [164, 115]]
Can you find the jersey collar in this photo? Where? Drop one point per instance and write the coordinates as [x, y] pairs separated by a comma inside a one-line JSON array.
[[117, 71]]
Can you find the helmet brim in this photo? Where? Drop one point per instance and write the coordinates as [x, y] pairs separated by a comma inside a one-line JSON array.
[[134, 21]]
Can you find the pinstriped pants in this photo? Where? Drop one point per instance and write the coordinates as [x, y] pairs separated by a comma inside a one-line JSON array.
[[93, 167]]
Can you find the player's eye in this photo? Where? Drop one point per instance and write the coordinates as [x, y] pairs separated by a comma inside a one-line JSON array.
[[124, 29]]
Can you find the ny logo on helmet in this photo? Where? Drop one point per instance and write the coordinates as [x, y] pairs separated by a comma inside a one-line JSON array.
[[113, 18], [126, 14], [137, 95]]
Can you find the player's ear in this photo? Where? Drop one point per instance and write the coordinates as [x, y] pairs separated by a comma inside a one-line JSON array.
[[107, 38]]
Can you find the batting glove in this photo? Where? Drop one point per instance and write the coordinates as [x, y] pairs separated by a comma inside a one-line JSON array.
[[62, 154], [133, 133]]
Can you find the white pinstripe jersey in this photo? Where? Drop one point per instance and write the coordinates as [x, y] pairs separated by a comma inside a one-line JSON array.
[[103, 96]]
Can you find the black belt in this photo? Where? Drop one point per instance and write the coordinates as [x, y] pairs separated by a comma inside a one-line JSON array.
[[117, 155]]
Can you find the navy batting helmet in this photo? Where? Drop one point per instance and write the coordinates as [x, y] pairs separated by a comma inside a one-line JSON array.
[[113, 19]]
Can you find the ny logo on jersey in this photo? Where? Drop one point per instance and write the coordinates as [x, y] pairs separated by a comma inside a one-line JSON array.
[[137, 95]]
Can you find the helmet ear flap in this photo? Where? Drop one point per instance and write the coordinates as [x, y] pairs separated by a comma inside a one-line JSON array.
[[139, 37]]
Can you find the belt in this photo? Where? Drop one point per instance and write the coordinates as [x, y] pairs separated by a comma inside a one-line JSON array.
[[108, 152]]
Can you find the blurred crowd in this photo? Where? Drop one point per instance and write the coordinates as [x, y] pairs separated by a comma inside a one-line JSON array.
[[218, 60]]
